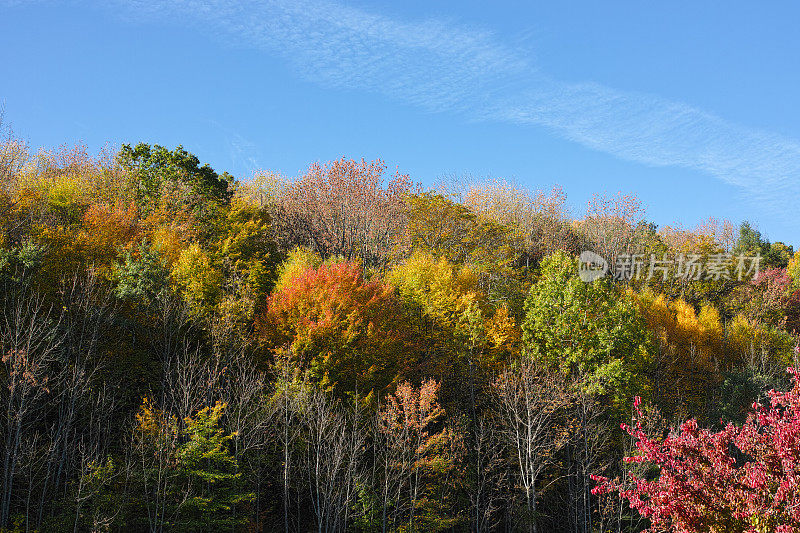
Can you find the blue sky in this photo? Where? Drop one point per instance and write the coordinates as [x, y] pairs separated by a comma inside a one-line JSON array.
[[690, 105]]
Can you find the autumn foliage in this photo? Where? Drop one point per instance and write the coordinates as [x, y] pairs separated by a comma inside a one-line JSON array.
[[422, 455], [345, 350], [344, 208], [345, 330], [736, 479]]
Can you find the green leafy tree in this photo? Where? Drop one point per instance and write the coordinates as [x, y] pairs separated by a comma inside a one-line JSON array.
[[738, 390], [779, 255], [97, 496], [21, 259], [751, 242], [589, 330], [186, 475], [163, 174]]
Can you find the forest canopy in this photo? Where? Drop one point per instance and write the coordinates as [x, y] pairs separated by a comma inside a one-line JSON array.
[[348, 350]]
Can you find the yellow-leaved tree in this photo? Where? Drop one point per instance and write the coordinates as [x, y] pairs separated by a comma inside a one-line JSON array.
[[462, 335], [688, 351]]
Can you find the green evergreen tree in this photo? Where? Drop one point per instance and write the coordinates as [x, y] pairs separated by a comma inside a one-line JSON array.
[[216, 493]]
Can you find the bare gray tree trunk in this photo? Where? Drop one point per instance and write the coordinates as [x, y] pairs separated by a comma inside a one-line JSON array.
[[530, 401], [87, 309], [332, 459], [490, 475], [29, 344]]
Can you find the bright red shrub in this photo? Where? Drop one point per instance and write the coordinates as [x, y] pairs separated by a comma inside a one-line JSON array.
[[738, 479]]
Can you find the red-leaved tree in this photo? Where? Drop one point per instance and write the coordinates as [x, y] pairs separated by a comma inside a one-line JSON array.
[[738, 479]]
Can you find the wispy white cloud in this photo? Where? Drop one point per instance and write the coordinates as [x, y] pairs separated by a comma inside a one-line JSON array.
[[240, 150], [445, 66], [428, 63], [659, 132]]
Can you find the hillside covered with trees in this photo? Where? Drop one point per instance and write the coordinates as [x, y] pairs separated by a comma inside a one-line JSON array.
[[347, 350]]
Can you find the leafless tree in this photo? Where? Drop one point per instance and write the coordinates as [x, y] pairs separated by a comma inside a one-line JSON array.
[[332, 459], [30, 341], [31, 464], [192, 379], [286, 406], [86, 307], [150, 466], [174, 344], [589, 439], [241, 385], [490, 476], [243, 388], [95, 475], [613, 225], [539, 219], [531, 404], [391, 466], [13, 155]]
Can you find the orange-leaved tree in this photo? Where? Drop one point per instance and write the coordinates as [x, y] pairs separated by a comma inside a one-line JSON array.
[[348, 332], [417, 460]]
